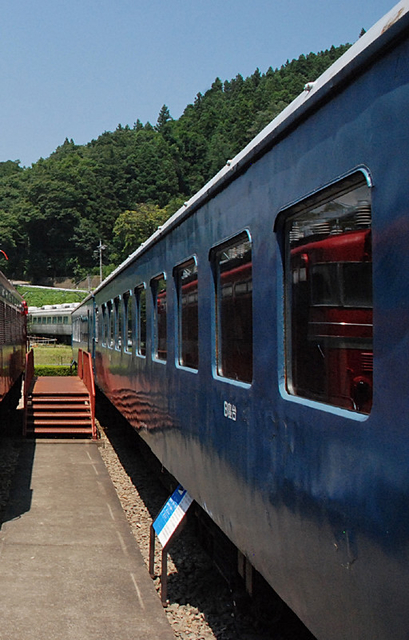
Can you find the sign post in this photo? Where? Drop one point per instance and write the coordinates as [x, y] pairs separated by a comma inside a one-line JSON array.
[[165, 526]]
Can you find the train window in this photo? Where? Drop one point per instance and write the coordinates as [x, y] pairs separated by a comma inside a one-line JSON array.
[[188, 318], [76, 336], [128, 335], [347, 284], [328, 297], [118, 322], [97, 324], [85, 328], [2, 322], [140, 298], [110, 324], [103, 325], [158, 286], [234, 309], [9, 324]]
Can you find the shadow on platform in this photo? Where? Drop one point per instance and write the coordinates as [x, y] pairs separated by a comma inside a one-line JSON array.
[[20, 497]]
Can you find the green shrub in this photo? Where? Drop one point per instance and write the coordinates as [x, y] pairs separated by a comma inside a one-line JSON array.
[[54, 370]]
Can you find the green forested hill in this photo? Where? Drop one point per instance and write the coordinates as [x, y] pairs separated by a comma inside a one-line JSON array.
[[121, 186]]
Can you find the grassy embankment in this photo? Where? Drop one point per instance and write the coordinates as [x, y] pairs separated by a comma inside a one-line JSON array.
[[53, 360], [40, 297]]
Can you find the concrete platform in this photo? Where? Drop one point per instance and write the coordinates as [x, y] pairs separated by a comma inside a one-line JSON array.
[[70, 568]]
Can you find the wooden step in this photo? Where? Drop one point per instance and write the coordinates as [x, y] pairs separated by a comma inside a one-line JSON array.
[[60, 417], [49, 406], [53, 398], [61, 432], [58, 407], [50, 397], [63, 423], [46, 408]]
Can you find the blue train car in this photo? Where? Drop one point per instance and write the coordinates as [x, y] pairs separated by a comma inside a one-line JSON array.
[[258, 343]]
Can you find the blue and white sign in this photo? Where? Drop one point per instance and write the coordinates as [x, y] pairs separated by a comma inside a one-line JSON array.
[[172, 514]]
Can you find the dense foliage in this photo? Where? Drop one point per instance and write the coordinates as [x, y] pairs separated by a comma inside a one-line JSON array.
[[54, 213]]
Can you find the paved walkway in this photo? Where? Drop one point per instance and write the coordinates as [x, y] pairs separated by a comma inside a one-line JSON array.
[[70, 568]]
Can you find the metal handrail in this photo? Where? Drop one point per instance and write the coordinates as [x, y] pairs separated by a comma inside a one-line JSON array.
[[28, 380], [86, 374]]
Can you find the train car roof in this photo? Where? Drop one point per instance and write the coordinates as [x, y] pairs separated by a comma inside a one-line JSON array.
[[66, 307], [381, 36], [7, 289]]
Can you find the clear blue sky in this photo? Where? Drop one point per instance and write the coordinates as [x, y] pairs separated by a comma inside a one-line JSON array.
[[76, 68]]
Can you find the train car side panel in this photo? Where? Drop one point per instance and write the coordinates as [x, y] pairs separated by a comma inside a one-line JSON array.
[[295, 444]]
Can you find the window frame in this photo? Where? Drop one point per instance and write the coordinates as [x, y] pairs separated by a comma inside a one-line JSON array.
[[235, 240], [359, 176], [179, 315], [97, 320], [103, 324], [110, 324], [157, 326], [141, 320], [118, 323], [128, 316]]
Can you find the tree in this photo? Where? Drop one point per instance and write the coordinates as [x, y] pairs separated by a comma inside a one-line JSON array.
[[9, 168], [163, 117], [117, 187], [133, 227]]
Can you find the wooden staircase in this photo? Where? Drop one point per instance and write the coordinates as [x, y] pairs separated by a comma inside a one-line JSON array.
[[59, 406]]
